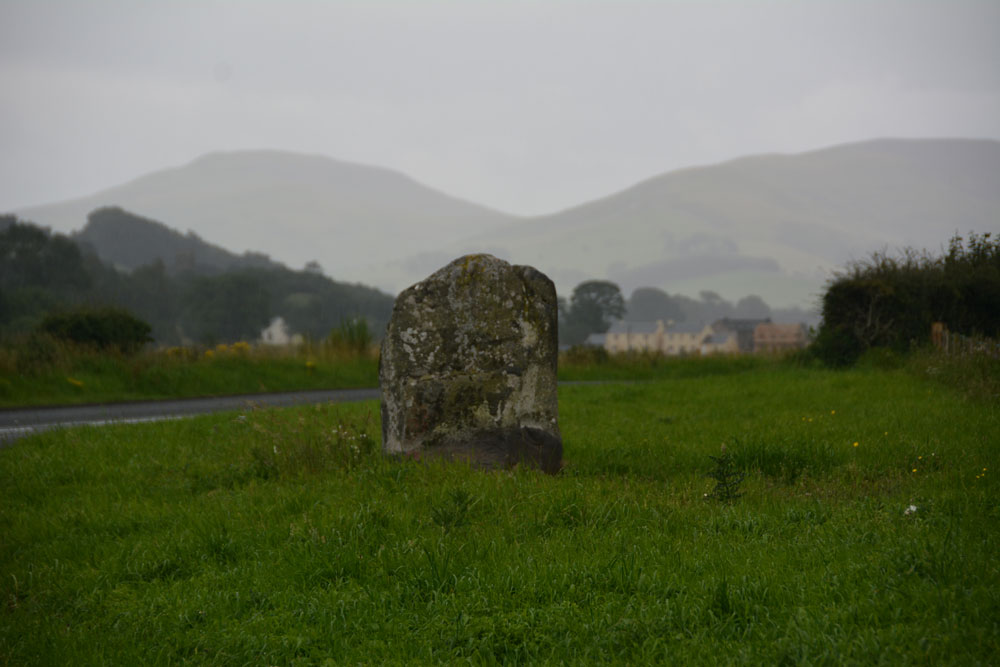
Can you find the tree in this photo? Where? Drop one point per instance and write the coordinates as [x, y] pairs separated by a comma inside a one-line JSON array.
[[31, 257], [648, 304], [752, 307], [39, 272], [594, 305], [228, 307]]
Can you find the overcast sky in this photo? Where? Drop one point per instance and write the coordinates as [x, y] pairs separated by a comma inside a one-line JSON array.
[[528, 107]]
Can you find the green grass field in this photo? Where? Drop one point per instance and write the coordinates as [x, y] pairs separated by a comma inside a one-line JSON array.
[[866, 534], [70, 375]]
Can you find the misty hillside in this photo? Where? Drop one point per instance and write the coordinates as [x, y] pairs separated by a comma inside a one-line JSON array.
[[295, 208], [771, 225], [128, 241]]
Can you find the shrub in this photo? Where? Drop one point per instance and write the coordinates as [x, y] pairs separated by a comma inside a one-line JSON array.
[[353, 335], [891, 301], [586, 355], [837, 347], [104, 328]]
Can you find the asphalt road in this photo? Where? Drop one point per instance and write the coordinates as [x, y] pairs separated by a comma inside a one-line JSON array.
[[18, 422]]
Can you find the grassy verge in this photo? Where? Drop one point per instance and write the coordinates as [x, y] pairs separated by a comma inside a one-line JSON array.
[[641, 367], [71, 375], [67, 375], [866, 534]]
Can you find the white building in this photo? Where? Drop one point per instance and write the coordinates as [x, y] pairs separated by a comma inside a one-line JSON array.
[[278, 333]]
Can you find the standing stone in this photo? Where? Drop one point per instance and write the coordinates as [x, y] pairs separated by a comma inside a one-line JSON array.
[[468, 367]]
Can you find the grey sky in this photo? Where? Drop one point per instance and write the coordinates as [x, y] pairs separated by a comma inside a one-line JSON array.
[[528, 107]]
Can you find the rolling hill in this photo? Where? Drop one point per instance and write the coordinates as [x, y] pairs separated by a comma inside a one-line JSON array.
[[295, 208], [772, 225]]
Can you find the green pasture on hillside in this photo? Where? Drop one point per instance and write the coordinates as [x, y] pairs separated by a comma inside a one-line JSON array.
[[866, 534]]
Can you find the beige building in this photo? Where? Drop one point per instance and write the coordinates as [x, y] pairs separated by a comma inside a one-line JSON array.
[[701, 339], [725, 342], [772, 338], [684, 338], [670, 339], [634, 337]]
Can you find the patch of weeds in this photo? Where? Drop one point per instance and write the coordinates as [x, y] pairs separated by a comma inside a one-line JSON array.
[[781, 458], [440, 561], [453, 512], [976, 376], [727, 479], [288, 445], [720, 603], [925, 463], [816, 514], [217, 544], [746, 526], [167, 569], [205, 479]]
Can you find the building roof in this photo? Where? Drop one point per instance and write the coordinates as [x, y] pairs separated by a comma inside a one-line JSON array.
[[623, 326], [687, 327], [781, 329], [596, 339], [739, 323], [719, 338]]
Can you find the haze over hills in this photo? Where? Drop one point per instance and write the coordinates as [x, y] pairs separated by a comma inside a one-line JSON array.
[[771, 225], [296, 208]]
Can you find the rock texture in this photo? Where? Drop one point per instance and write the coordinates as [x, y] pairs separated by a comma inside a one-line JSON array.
[[468, 367]]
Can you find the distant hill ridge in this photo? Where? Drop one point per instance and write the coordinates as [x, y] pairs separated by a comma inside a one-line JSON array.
[[296, 208], [772, 225]]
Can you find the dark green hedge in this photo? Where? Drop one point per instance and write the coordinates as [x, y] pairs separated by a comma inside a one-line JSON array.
[[891, 302], [105, 328]]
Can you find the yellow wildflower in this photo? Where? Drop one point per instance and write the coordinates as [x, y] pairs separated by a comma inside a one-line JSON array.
[[855, 444], [74, 382], [209, 354]]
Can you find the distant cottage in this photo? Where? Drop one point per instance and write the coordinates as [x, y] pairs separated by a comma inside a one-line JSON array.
[[665, 338], [779, 337], [726, 336], [278, 333]]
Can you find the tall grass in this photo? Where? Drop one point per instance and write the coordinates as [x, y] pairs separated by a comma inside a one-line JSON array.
[[866, 534]]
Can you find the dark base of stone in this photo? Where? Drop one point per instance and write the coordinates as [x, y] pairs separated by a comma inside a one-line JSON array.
[[502, 449]]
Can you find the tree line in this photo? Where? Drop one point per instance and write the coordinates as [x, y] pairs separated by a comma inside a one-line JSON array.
[[595, 304], [42, 272]]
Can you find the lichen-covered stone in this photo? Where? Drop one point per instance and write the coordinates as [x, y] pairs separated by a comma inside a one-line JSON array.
[[468, 367]]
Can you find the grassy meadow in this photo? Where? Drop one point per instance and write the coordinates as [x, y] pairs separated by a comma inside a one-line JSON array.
[[866, 532]]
